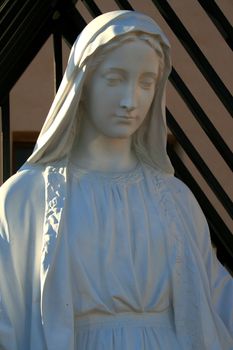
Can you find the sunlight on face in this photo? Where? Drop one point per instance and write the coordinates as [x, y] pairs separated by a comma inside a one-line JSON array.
[[120, 91]]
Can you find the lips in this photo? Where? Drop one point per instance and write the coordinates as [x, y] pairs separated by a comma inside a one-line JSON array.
[[125, 120], [129, 117]]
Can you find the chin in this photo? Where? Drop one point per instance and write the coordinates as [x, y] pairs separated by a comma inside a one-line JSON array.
[[121, 136]]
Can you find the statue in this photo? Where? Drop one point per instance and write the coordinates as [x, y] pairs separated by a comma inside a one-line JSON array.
[[101, 247]]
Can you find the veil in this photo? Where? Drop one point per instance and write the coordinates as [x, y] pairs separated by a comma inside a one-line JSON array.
[[58, 132]]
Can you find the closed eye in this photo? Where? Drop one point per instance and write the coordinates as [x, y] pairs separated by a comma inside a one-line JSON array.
[[147, 84], [113, 79]]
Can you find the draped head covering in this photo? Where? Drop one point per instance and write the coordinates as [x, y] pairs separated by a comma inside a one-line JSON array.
[[58, 132]]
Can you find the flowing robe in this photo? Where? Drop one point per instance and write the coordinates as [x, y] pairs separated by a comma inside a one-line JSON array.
[[36, 316]]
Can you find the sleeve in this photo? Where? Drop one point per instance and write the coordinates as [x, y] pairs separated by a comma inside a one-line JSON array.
[[220, 280], [20, 215], [8, 286]]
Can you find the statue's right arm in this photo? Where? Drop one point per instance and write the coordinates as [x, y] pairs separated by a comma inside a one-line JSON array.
[[21, 218]]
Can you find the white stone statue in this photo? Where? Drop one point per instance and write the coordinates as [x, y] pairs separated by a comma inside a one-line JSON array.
[[101, 247]]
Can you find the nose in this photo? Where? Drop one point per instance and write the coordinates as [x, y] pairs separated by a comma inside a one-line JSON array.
[[130, 99]]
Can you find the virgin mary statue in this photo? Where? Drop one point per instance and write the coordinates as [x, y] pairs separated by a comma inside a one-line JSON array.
[[101, 247]]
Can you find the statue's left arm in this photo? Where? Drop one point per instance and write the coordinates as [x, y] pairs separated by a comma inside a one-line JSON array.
[[219, 279]]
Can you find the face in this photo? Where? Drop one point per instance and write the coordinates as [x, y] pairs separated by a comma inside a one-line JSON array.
[[119, 93]]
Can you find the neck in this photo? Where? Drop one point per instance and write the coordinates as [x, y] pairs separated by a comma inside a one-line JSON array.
[[103, 153]]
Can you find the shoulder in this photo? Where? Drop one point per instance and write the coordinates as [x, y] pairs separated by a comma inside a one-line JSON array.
[[181, 199], [184, 196], [176, 186], [185, 208], [185, 199], [24, 183], [181, 193], [169, 183], [22, 196], [190, 212]]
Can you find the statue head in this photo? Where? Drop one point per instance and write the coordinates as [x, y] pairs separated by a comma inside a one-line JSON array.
[[121, 82], [110, 36]]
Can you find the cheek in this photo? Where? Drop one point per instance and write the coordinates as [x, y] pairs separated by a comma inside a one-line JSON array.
[[101, 105], [111, 92], [103, 94], [146, 101]]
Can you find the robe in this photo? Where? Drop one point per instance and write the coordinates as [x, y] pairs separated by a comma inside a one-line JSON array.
[[36, 316]]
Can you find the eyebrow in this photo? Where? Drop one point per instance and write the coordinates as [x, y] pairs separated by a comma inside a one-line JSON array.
[[150, 74], [122, 71], [114, 70]]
